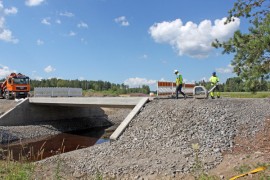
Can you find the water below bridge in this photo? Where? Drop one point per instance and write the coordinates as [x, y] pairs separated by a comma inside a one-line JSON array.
[[46, 146]]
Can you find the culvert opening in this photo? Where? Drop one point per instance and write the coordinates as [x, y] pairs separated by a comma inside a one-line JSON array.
[[45, 138], [39, 148]]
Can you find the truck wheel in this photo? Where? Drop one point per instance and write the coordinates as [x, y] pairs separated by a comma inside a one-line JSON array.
[[6, 95]]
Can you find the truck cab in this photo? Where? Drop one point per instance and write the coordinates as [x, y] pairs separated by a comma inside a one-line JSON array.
[[15, 86]]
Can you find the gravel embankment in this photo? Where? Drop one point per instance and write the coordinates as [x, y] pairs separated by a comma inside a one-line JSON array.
[[158, 142]]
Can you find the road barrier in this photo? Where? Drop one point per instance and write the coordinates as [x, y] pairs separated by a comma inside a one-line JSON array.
[[57, 92], [165, 88]]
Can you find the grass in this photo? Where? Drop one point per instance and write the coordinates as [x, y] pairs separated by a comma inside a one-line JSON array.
[[198, 169], [246, 94], [22, 169], [261, 175], [243, 168], [10, 170]]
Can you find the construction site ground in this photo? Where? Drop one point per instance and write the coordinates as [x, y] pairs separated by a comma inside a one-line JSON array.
[[233, 137]]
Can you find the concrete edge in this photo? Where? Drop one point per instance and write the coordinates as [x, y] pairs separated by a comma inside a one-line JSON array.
[[7, 112], [128, 119]]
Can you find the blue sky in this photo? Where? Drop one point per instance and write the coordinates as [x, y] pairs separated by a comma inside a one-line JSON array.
[[122, 41]]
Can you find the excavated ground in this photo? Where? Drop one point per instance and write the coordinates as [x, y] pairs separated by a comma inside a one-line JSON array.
[[163, 140]]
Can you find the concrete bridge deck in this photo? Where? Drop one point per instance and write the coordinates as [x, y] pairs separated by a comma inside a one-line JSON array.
[[121, 102]]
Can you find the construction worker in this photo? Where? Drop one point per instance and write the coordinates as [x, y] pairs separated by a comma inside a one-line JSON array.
[[179, 84], [214, 82]]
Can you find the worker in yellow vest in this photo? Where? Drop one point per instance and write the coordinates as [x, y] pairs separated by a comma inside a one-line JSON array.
[[179, 84], [214, 82]]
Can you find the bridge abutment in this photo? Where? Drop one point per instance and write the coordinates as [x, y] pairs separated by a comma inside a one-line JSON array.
[[26, 113]]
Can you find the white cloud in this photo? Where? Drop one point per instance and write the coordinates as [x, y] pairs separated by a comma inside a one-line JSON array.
[[58, 21], [81, 78], [84, 41], [162, 79], [225, 70], [12, 10], [135, 82], [46, 21], [71, 33], [191, 39], [39, 78], [49, 69], [204, 79], [82, 25], [5, 33], [67, 14], [145, 56], [122, 20], [33, 2], [35, 76], [5, 71], [40, 42]]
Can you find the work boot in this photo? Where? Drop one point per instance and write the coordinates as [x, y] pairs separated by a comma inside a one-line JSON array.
[[218, 96], [212, 97]]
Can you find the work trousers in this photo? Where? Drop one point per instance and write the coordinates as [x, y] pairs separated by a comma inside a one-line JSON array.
[[179, 89], [215, 92]]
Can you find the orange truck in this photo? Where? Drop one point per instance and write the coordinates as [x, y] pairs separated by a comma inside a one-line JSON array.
[[15, 86]]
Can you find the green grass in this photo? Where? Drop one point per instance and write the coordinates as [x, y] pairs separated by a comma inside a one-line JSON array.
[[10, 170], [243, 168], [246, 94]]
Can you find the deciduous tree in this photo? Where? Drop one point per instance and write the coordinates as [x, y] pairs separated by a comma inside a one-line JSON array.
[[251, 50]]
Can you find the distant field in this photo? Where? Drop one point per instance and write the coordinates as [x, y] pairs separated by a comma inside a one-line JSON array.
[[246, 94]]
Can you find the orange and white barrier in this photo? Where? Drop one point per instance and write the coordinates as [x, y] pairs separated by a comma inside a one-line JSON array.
[[165, 88]]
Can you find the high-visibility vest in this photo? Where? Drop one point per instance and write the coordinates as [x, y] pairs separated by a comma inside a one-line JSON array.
[[214, 80], [179, 79]]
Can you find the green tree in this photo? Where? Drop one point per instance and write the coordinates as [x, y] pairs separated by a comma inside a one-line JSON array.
[[234, 84], [252, 50], [146, 89]]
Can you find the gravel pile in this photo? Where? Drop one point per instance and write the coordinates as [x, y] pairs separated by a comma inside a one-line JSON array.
[[159, 140]]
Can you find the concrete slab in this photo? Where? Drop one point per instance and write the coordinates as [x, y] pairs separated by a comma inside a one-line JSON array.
[[127, 120], [116, 102]]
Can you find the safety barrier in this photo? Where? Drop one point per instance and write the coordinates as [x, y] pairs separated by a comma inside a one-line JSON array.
[[165, 88], [57, 92]]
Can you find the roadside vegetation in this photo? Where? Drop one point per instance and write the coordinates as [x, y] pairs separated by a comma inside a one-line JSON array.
[[236, 84], [251, 50], [10, 170], [246, 94], [91, 87]]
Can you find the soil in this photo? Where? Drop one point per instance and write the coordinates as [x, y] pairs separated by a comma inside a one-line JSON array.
[[248, 154]]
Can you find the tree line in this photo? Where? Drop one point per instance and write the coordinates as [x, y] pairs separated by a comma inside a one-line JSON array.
[[90, 85], [236, 84]]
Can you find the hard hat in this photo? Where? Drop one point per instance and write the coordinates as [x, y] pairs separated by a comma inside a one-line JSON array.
[[175, 71]]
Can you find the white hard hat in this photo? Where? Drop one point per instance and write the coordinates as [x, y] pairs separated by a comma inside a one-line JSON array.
[[175, 71]]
